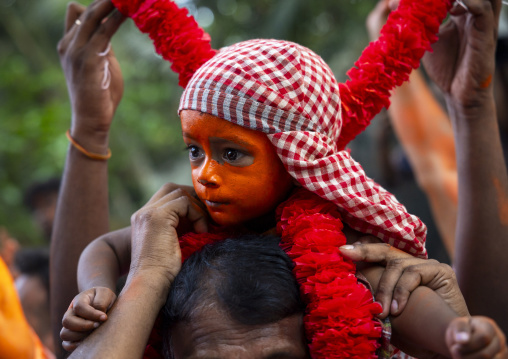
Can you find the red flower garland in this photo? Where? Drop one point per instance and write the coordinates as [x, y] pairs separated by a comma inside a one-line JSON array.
[[339, 320], [388, 62], [177, 37]]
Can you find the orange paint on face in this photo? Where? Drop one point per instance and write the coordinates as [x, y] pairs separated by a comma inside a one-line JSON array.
[[235, 171], [502, 202]]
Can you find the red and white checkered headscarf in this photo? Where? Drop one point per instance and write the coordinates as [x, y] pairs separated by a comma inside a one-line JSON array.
[[288, 92]]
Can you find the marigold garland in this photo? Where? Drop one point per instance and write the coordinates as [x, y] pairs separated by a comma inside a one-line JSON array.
[[339, 320], [386, 63]]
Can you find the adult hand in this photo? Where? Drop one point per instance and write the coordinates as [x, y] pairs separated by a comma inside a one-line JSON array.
[[403, 274], [462, 63], [155, 246], [93, 75]]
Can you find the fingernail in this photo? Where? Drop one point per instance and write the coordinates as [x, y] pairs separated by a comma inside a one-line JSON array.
[[394, 307], [347, 247], [462, 337], [103, 317], [96, 325]]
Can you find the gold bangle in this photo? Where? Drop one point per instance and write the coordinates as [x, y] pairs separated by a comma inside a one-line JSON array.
[[93, 156]]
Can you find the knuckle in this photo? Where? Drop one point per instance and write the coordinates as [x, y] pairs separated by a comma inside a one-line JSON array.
[[65, 321], [169, 187], [90, 13], [412, 269], [60, 47], [180, 192], [446, 268], [400, 291], [143, 215], [369, 239], [383, 290], [395, 263]]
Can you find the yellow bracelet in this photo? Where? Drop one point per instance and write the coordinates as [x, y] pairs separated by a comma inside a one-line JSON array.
[[93, 156]]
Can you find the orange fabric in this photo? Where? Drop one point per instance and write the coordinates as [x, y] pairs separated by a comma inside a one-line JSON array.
[[17, 340]]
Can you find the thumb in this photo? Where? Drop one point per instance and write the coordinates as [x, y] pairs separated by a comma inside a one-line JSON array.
[[458, 333]]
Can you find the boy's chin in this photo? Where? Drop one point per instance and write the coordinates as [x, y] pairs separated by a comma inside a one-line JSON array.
[[245, 224]]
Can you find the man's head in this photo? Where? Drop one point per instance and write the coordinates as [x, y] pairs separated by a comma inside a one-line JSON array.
[[237, 298], [41, 198]]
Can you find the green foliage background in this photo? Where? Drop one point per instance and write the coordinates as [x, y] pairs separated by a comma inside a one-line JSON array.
[[145, 138]]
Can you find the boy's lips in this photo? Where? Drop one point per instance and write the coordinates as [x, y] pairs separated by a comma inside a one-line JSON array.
[[215, 203]]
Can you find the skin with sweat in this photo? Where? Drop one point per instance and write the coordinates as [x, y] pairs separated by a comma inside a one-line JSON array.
[[236, 172], [213, 335]]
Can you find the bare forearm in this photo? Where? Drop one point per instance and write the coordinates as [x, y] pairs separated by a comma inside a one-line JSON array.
[[482, 227], [82, 215], [130, 321], [421, 326], [104, 260]]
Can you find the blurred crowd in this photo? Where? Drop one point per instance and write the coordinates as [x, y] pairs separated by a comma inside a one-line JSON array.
[[413, 147]]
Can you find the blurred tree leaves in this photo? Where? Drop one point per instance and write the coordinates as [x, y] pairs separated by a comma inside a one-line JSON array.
[[145, 140]]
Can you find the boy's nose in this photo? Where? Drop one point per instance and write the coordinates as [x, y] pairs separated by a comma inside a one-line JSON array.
[[208, 175]]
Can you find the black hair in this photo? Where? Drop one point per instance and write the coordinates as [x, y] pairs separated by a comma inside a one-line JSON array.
[[34, 262], [39, 189], [249, 277]]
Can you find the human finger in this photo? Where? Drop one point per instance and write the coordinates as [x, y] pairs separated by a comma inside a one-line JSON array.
[[72, 335], [389, 284], [74, 323], [92, 19], [70, 346], [458, 332], [377, 18], [483, 342], [418, 273], [368, 239], [183, 191], [74, 11], [486, 12], [103, 300], [84, 309], [393, 4], [478, 7], [106, 30], [184, 207], [372, 252], [169, 188]]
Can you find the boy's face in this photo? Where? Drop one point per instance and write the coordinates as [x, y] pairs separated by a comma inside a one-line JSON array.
[[235, 171]]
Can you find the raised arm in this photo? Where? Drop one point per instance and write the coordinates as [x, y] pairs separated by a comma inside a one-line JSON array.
[[82, 211], [463, 66], [425, 132]]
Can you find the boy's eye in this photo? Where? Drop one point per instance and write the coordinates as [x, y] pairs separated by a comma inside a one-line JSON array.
[[194, 151], [231, 154]]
